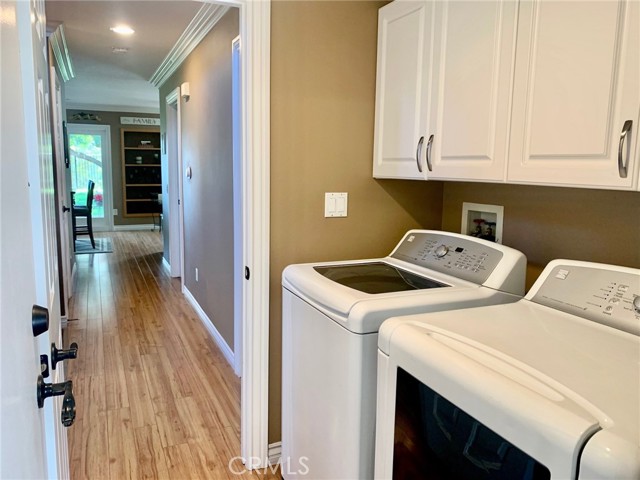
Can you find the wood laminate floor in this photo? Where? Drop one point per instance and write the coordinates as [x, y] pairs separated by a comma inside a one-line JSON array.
[[155, 397]]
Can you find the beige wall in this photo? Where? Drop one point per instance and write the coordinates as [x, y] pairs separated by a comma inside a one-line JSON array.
[[550, 222], [113, 120], [323, 62], [207, 149]]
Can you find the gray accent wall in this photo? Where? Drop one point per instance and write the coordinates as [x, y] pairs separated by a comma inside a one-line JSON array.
[[208, 195]]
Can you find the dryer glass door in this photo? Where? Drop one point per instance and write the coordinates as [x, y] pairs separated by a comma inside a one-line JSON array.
[[436, 440]]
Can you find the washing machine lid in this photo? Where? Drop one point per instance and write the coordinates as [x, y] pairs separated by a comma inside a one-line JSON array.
[[377, 277], [362, 312]]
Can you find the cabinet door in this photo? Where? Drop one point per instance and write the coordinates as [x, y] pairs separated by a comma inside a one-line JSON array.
[[405, 31], [474, 48], [576, 85]]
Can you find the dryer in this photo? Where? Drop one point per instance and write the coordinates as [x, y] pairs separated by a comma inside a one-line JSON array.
[[544, 388], [331, 315]]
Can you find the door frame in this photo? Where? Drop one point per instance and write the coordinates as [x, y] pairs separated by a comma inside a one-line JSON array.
[[57, 140], [255, 89], [174, 187], [107, 170]]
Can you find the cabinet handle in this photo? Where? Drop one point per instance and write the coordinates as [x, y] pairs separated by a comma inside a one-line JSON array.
[[418, 153], [429, 144], [622, 169]]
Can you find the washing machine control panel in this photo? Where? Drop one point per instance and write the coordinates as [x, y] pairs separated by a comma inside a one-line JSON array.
[[466, 258], [606, 296]]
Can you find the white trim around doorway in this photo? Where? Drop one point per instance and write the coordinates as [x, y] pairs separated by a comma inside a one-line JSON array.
[[174, 187], [255, 32]]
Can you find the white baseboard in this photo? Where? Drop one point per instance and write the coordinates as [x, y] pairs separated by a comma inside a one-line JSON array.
[[72, 280], [275, 452], [127, 228], [208, 324], [166, 265]]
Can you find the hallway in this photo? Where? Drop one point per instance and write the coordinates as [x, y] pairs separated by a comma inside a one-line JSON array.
[[155, 397]]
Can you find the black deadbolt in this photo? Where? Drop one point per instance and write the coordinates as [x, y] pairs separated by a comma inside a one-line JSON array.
[[39, 320]]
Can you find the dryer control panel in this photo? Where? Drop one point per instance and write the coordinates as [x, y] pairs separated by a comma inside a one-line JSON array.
[[608, 296], [463, 257]]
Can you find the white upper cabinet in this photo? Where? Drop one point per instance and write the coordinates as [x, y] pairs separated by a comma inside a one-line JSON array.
[[576, 97], [405, 31], [537, 91], [470, 101]]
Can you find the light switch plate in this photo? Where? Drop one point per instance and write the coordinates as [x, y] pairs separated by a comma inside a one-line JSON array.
[[335, 204]]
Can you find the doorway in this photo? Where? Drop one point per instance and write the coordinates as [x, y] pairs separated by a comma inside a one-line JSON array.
[[255, 148], [90, 159], [172, 207]]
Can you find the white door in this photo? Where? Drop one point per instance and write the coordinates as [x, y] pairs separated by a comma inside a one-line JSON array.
[[90, 157], [471, 95], [33, 441], [576, 90], [405, 42]]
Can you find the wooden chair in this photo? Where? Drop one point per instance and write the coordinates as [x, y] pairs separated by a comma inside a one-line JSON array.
[[84, 211]]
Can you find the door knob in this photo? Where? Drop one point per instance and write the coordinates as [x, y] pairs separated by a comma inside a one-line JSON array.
[[65, 209], [60, 355], [46, 390]]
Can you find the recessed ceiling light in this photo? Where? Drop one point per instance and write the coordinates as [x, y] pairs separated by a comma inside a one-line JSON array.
[[122, 29], [119, 49]]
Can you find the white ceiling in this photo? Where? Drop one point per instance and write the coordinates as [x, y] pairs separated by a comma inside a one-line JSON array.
[[118, 82]]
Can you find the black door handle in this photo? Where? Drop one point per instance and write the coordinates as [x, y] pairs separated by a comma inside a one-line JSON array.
[[46, 390], [65, 209], [60, 355]]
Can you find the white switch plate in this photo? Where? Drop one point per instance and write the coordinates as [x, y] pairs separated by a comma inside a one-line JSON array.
[[115, 212], [335, 204]]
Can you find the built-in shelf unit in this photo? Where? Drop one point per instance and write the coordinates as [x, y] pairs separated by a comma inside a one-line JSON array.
[[141, 178]]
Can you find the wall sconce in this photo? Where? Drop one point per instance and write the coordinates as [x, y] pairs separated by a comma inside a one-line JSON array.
[[184, 91]]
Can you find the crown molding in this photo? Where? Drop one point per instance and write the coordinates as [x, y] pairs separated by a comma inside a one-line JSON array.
[[94, 107], [206, 18], [58, 44]]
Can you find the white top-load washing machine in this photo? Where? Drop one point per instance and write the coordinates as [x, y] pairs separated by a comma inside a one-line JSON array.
[[544, 388], [331, 316]]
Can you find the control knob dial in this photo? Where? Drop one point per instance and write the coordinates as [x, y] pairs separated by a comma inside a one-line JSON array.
[[636, 303], [441, 251]]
